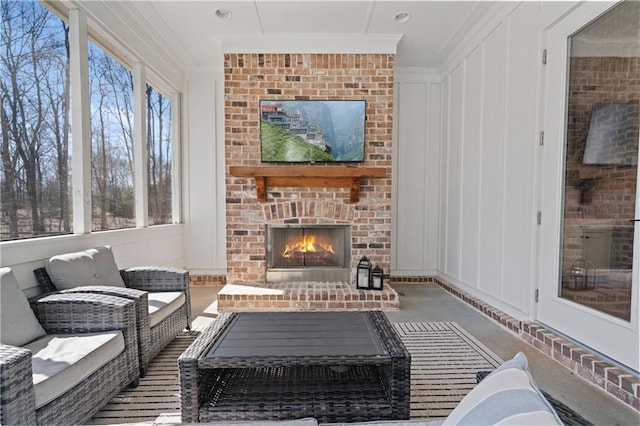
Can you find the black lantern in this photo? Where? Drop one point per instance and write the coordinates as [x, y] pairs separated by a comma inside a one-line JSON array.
[[582, 274], [376, 278], [363, 273]]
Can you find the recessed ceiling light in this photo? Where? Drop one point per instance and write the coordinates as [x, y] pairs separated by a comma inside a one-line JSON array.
[[224, 14], [401, 17]]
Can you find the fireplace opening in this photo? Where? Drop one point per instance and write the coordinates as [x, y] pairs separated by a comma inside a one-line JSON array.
[[308, 253]]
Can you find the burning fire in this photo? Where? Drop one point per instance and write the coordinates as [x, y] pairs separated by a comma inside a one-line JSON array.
[[306, 245]]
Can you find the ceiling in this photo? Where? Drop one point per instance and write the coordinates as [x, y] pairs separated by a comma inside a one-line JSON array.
[[197, 37]]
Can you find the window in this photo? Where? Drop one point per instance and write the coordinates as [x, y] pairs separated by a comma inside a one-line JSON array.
[[35, 121], [41, 57], [112, 197], [159, 156]]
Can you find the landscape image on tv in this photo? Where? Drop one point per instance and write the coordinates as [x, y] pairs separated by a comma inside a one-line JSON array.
[[312, 131]]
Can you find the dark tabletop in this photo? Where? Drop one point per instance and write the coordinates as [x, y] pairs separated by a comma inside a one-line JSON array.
[[295, 334]]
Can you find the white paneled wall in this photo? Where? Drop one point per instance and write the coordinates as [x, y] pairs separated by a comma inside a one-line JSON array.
[[205, 243], [416, 172], [491, 179], [453, 195], [491, 125], [471, 153], [523, 62]]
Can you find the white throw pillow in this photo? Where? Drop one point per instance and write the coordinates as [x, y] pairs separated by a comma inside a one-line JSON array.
[[18, 325], [90, 267], [507, 396]]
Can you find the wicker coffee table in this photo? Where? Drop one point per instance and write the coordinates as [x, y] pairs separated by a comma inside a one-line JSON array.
[[334, 366]]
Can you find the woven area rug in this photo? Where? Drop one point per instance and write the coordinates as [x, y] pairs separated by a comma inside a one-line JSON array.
[[444, 362], [156, 400]]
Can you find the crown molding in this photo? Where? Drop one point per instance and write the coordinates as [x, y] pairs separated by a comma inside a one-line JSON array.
[[310, 43], [416, 75]]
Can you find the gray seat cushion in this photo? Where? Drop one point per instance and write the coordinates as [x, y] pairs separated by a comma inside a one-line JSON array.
[[61, 361], [163, 304], [18, 323], [89, 267]]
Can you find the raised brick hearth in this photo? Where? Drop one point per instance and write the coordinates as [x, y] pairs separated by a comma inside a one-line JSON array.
[[313, 296]]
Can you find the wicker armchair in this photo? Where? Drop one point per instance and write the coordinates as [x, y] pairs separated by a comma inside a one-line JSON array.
[[140, 282], [70, 315]]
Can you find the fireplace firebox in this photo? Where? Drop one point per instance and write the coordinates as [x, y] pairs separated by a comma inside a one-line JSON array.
[[308, 253]]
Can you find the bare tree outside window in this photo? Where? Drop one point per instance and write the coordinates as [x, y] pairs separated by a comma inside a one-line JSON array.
[[35, 143], [159, 161], [34, 89], [112, 193]]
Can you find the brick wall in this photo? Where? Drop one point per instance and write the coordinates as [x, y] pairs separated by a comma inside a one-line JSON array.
[[598, 195], [251, 77]]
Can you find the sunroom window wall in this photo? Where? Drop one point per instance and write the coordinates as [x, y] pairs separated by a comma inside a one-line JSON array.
[[93, 98]]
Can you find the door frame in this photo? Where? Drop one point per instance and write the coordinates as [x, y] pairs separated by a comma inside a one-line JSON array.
[[590, 327]]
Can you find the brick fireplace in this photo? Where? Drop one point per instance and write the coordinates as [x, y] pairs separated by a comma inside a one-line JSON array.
[[252, 77]]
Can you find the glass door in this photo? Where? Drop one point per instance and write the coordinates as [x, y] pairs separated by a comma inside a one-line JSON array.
[[601, 168], [593, 295]]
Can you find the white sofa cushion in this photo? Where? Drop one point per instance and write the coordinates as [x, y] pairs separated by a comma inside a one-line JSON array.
[[61, 361], [18, 323], [507, 396], [163, 304], [90, 267]]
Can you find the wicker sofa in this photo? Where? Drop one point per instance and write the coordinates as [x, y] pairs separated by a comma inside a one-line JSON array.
[[63, 357], [161, 295]]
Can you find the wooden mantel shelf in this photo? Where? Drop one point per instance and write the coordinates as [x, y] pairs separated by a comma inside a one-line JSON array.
[[315, 176]]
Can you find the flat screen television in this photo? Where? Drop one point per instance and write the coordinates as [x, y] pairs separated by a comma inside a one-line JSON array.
[[312, 131], [613, 134]]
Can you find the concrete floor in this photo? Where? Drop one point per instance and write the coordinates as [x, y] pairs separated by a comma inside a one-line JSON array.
[[428, 302]]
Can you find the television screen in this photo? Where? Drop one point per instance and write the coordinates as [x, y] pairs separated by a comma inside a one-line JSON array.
[[613, 134], [312, 131]]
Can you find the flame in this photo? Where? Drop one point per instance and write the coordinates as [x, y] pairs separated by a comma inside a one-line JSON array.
[[306, 245]]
